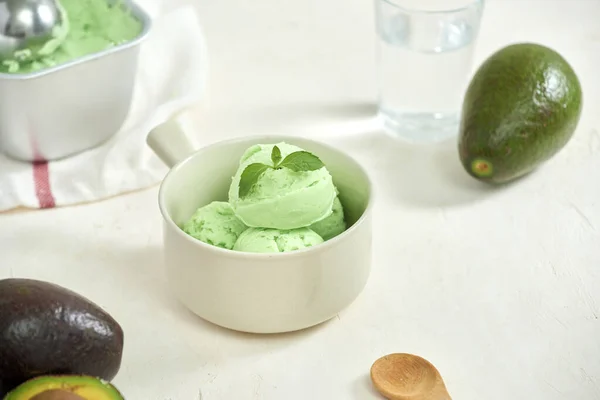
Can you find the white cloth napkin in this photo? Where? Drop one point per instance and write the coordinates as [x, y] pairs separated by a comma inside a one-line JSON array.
[[171, 76]]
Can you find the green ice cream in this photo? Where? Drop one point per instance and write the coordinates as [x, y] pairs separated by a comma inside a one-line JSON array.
[[282, 198], [333, 225], [91, 26], [258, 240], [215, 224]]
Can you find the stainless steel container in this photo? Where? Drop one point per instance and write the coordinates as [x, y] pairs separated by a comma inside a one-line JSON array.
[[72, 107]]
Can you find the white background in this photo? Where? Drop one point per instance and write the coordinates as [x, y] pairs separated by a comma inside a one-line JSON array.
[[500, 289]]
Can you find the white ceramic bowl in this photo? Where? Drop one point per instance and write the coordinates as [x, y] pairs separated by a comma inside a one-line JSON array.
[[250, 292]]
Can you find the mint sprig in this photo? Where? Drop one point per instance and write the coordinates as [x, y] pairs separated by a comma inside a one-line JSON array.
[[250, 177], [301, 161], [275, 156], [297, 161]]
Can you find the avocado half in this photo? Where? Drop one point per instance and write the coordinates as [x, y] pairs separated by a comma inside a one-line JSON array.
[[521, 107], [65, 387]]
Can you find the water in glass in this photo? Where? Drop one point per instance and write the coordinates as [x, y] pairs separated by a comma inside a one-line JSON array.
[[424, 67]]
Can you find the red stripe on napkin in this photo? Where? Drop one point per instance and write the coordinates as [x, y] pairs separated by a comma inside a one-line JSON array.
[[41, 173], [41, 180]]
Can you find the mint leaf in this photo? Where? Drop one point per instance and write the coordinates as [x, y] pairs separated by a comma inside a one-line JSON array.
[[275, 156], [302, 161], [250, 176]]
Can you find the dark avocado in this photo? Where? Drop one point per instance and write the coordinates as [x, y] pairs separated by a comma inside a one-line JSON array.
[[65, 387], [521, 108], [46, 329]]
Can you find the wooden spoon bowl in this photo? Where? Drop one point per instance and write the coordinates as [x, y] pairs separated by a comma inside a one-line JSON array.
[[402, 376]]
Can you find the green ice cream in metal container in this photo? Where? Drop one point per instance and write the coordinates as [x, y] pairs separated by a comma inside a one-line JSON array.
[[281, 198], [90, 26], [77, 93]]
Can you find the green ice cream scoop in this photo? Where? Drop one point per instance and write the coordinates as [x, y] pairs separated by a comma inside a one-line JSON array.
[[87, 27], [281, 198], [215, 224], [259, 240], [333, 225]]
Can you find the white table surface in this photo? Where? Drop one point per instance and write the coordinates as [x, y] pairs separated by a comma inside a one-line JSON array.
[[500, 289]]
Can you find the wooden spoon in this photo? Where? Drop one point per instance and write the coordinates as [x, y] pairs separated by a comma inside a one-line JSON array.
[[404, 376]]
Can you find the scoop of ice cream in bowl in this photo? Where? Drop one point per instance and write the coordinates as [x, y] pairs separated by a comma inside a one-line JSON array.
[[263, 234]]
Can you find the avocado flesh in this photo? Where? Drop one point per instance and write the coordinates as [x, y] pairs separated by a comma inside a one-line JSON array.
[[521, 107], [84, 387], [49, 330]]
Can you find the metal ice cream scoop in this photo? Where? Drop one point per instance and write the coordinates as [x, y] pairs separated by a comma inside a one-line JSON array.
[[27, 24]]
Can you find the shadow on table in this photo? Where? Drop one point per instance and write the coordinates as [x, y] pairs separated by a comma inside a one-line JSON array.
[[145, 267], [291, 118], [417, 175], [288, 114]]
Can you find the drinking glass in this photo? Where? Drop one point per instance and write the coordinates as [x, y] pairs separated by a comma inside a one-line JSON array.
[[425, 53]]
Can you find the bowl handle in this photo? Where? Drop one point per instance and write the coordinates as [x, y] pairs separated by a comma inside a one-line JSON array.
[[169, 142]]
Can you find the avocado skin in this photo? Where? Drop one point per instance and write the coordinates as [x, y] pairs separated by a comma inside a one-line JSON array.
[[521, 107], [46, 329]]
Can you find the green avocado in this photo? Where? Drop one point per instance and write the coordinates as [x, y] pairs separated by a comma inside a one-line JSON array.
[[521, 108], [46, 329], [65, 387]]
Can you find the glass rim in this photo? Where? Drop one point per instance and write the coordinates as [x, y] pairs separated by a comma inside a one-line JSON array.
[[471, 4]]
